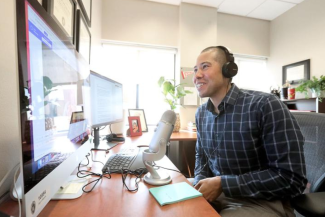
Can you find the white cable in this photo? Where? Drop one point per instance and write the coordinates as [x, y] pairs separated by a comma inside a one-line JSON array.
[[6, 177], [15, 179]]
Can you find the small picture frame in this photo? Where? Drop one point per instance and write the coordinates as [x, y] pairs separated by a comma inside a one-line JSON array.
[[83, 42], [135, 126], [77, 117], [140, 113]]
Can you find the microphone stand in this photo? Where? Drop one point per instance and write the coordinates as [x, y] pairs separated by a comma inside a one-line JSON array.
[[155, 177]]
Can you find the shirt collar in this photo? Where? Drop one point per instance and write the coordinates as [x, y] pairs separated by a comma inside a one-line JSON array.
[[230, 98]]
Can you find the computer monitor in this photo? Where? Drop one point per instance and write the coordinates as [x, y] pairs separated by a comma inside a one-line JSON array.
[[52, 76], [106, 104]]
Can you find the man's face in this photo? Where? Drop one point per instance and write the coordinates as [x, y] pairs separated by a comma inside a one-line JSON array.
[[208, 78]]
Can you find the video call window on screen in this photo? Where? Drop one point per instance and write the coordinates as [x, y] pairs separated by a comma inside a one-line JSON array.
[[53, 77]]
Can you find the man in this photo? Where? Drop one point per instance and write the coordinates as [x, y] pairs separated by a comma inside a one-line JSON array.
[[249, 151]]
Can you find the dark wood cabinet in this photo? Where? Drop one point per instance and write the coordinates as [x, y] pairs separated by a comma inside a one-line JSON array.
[[311, 104]]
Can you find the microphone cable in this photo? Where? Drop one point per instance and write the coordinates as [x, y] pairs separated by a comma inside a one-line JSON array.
[[137, 173], [87, 173], [208, 157], [158, 167]]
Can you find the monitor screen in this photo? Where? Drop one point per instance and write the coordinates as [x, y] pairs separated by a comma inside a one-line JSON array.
[[106, 105], [106, 100], [53, 77]]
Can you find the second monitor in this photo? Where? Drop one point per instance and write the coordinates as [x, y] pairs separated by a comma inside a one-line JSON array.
[[106, 105]]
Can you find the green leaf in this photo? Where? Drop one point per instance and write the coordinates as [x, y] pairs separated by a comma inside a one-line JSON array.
[[167, 87], [180, 90], [161, 81], [171, 91], [316, 85]]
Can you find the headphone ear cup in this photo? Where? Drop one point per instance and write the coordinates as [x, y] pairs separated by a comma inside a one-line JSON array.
[[108, 138], [229, 69]]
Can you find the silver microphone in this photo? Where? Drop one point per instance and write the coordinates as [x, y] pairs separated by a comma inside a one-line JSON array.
[[164, 131]]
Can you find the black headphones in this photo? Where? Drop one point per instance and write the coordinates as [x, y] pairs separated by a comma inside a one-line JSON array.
[[230, 68]]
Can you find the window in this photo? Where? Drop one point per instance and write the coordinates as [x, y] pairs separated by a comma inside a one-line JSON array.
[[141, 66], [252, 74]]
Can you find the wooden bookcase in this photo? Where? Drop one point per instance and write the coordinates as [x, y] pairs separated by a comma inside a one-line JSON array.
[[311, 104]]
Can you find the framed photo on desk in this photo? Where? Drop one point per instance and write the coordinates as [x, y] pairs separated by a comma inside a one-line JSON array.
[[135, 126], [140, 113]]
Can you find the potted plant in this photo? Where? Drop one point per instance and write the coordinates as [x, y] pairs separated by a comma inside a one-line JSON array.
[[315, 85], [172, 93]]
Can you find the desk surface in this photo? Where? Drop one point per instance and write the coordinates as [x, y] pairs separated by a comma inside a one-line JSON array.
[[183, 136], [110, 198]]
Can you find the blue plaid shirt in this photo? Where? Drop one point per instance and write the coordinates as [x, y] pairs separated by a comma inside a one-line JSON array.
[[254, 144]]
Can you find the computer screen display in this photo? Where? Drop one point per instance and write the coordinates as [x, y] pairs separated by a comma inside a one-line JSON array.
[[106, 100], [54, 130]]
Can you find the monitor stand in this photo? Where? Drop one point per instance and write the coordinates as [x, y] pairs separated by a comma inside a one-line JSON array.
[[73, 194], [69, 192], [102, 145]]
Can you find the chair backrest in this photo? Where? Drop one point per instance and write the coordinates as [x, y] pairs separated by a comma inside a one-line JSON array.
[[312, 126]]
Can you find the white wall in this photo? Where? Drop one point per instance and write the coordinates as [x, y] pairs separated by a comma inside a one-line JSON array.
[[244, 35], [196, 33], [9, 107], [140, 21], [297, 35]]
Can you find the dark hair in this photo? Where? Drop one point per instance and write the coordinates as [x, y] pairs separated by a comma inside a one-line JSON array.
[[220, 55]]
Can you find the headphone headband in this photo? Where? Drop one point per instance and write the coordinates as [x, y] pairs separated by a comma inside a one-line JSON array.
[[230, 68], [229, 55]]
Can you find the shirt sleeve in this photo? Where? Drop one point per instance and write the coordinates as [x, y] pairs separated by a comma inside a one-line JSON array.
[[283, 141], [201, 170]]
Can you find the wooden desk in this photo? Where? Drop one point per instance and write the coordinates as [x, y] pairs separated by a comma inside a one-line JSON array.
[[110, 198], [183, 136]]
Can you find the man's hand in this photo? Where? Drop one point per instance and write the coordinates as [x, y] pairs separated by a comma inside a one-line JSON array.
[[210, 188]]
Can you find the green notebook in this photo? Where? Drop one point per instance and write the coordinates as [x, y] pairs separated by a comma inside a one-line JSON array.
[[173, 193]]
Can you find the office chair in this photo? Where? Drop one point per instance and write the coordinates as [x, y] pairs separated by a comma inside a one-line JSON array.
[[312, 202]]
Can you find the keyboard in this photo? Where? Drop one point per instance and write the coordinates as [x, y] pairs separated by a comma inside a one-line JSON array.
[[127, 158]]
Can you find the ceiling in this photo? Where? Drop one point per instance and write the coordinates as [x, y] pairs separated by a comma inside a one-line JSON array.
[[259, 9]]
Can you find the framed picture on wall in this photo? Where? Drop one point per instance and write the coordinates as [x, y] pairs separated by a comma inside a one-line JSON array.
[[86, 7], [64, 13], [83, 38], [296, 72]]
